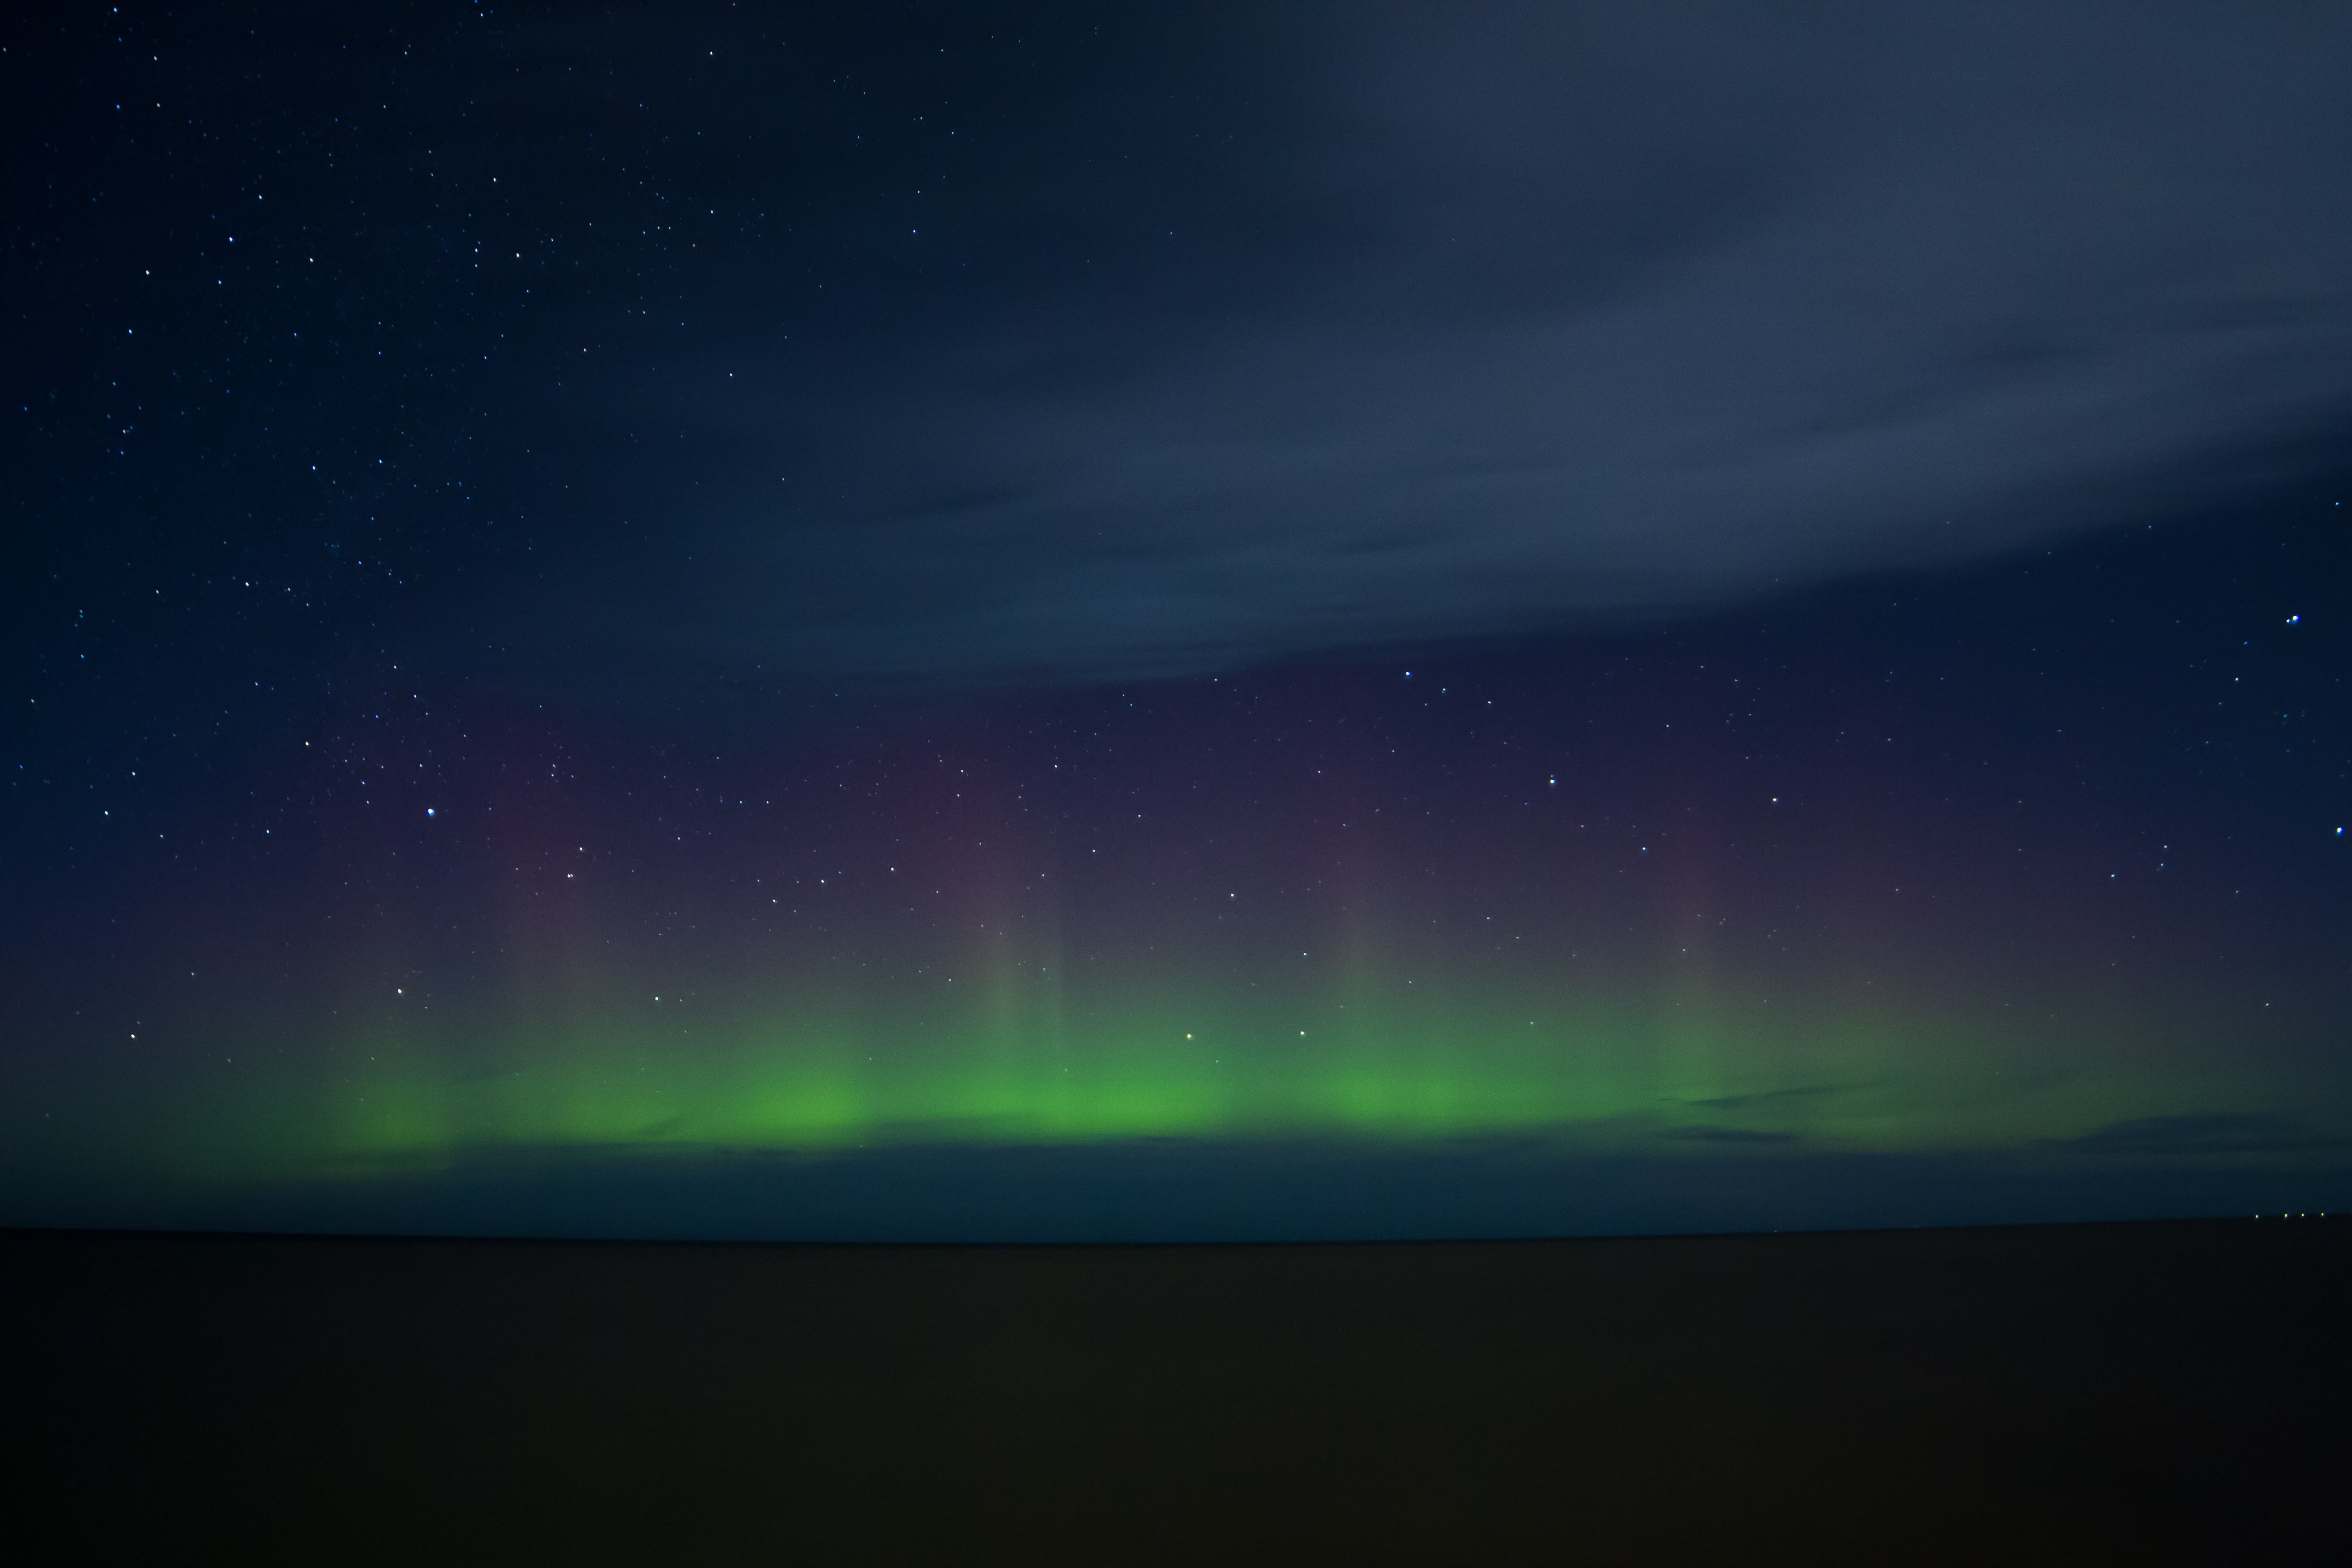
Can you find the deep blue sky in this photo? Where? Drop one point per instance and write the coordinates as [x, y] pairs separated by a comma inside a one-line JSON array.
[[655, 404]]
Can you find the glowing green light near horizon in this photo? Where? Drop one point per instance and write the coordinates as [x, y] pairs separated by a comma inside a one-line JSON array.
[[1678, 1076]]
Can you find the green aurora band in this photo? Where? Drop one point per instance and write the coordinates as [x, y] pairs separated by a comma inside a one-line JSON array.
[[1033, 1063]]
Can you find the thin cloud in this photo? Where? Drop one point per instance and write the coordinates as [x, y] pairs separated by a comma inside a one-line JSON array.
[[1398, 327]]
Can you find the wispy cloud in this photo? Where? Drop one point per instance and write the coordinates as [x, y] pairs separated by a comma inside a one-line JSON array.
[[2213, 1134], [1178, 354]]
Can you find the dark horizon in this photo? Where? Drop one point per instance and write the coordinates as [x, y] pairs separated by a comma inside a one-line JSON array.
[[2152, 1393]]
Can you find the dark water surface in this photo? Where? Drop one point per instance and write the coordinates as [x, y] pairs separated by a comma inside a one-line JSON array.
[[2122, 1393]]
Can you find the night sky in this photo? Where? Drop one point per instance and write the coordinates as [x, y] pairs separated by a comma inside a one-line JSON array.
[[949, 622]]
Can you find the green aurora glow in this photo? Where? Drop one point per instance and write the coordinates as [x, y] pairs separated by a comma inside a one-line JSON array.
[[1036, 1064]]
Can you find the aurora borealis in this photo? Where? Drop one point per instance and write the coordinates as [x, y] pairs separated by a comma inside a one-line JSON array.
[[1639, 896], [562, 641]]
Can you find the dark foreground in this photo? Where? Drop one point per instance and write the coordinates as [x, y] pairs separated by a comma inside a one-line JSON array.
[[2116, 1394]]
